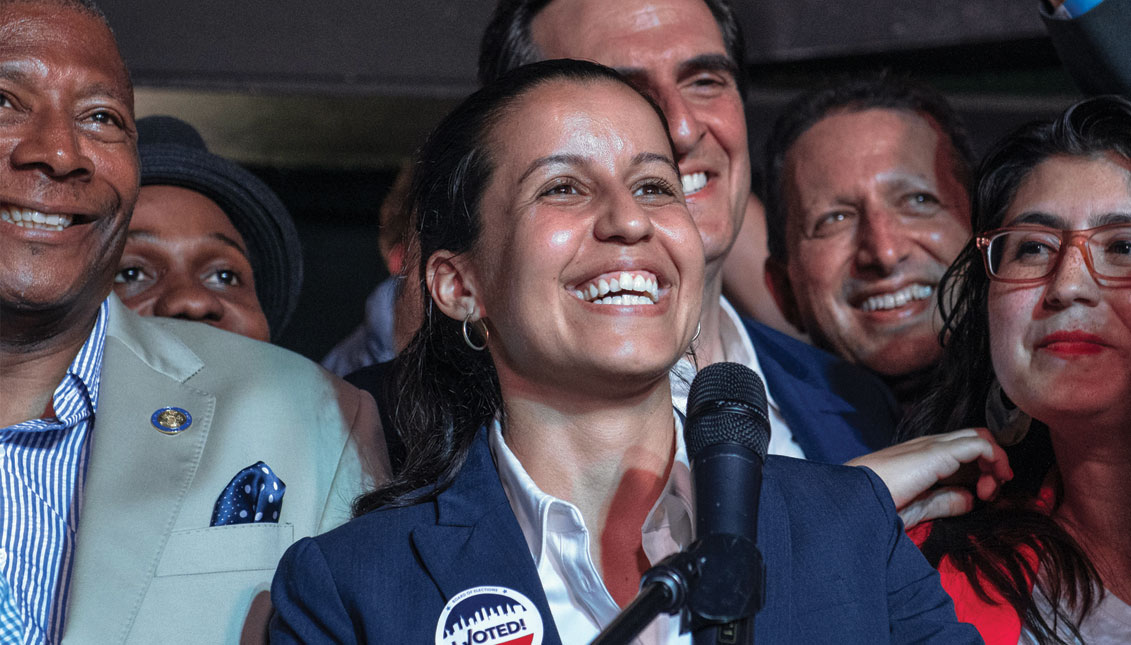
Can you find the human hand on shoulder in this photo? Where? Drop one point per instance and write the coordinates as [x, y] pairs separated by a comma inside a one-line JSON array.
[[927, 478]]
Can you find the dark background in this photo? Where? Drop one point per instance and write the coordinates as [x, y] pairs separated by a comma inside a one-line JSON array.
[[325, 100]]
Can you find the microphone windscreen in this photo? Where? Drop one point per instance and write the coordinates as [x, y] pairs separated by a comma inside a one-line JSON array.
[[727, 404]]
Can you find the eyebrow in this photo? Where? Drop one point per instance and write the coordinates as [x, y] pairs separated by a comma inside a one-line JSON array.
[[106, 89], [1040, 219], [12, 71], [1111, 218], [638, 76], [578, 160], [150, 236], [16, 72], [709, 63], [655, 157], [1053, 221]]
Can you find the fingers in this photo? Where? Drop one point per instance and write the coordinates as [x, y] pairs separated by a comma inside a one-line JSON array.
[[936, 503], [914, 468]]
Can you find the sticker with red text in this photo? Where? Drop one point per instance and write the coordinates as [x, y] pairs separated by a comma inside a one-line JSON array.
[[489, 616]]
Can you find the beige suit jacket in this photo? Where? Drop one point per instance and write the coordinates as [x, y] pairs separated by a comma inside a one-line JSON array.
[[147, 566]]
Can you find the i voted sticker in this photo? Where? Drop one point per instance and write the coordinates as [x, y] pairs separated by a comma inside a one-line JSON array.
[[489, 616]]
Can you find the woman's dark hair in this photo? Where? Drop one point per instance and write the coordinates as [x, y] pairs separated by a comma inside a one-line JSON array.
[[445, 390], [988, 545]]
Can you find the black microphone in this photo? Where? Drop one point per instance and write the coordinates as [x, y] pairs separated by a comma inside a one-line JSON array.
[[717, 583], [727, 433]]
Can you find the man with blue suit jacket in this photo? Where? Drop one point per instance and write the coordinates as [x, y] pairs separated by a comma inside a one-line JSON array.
[[820, 408]]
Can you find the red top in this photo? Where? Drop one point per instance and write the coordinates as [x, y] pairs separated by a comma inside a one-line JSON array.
[[997, 622]]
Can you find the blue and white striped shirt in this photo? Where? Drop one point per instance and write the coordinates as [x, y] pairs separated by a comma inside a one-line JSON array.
[[42, 472]]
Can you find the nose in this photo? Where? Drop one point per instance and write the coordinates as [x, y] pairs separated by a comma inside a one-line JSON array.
[[881, 242], [683, 123], [1071, 282], [51, 145], [623, 220], [188, 299]]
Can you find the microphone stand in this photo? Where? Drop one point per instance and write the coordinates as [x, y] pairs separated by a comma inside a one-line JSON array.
[[716, 585]]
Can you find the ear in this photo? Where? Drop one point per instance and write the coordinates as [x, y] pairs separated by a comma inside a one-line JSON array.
[[451, 285], [777, 282]]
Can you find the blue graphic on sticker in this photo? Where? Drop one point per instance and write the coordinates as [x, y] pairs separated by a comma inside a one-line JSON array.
[[489, 616]]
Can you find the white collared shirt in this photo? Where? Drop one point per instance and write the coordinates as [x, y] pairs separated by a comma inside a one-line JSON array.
[[737, 348], [559, 542]]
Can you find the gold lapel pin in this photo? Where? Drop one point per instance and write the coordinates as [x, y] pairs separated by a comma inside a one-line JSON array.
[[171, 420]]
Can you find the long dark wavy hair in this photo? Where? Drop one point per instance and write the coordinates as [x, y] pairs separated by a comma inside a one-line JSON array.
[[445, 390], [987, 544]]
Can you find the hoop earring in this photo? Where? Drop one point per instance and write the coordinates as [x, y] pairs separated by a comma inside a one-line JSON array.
[[467, 337], [698, 328], [1005, 421]]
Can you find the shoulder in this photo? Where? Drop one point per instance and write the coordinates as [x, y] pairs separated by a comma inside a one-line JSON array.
[[260, 392], [218, 361], [796, 356], [845, 504], [811, 482], [782, 354], [370, 554]]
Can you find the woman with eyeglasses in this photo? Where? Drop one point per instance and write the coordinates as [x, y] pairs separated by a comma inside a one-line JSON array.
[[1037, 313]]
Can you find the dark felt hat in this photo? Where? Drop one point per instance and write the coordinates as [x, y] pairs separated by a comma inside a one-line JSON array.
[[173, 153]]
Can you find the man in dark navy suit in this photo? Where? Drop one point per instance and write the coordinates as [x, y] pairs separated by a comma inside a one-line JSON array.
[[687, 55]]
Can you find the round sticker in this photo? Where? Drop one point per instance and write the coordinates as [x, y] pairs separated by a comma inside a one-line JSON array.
[[489, 616]]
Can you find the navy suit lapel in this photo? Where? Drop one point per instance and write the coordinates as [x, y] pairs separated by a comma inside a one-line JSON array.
[[772, 623], [477, 540], [815, 414]]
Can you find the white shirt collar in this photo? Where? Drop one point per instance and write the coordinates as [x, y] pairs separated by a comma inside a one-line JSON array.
[[667, 528], [737, 348]]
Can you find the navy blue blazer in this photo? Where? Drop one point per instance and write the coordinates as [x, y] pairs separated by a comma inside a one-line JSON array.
[[835, 410], [838, 566]]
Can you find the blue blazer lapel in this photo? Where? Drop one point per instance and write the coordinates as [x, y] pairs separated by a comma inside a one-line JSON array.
[[810, 387], [477, 540]]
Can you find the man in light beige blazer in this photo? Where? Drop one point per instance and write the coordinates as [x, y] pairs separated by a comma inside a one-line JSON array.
[[148, 568], [122, 548]]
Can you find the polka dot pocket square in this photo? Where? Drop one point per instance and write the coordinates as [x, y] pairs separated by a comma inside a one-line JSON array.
[[255, 494]]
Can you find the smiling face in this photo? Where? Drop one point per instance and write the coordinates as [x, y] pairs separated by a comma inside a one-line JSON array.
[[876, 215], [1062, 349], [68, 159], [589, 264], [674, 51], [184, 259]]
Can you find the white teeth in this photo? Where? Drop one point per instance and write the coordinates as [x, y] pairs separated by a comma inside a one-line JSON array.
[[27, 218], [693, 183], [899, 298], [611, 291]]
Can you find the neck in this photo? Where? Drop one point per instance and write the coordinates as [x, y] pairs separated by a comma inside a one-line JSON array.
[[35, 351], [609, 457], [910, 388], [1093, 464], [709, 348]]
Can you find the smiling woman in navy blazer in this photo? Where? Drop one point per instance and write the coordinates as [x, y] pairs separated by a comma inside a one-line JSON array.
[[562, 277]]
